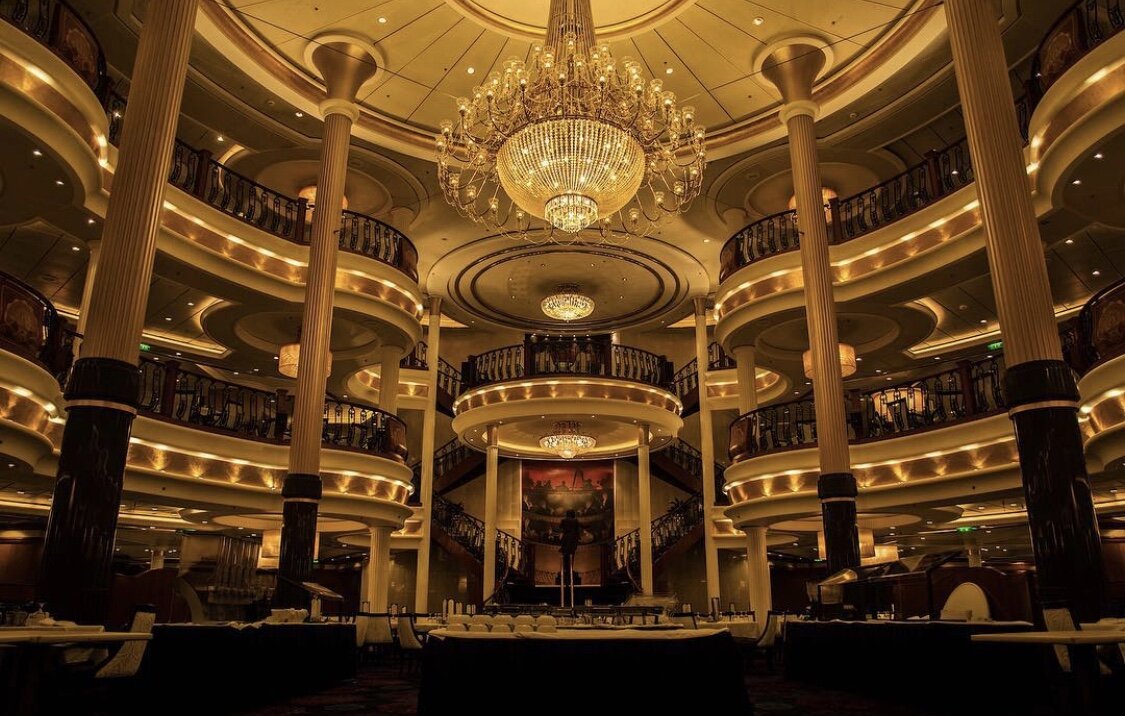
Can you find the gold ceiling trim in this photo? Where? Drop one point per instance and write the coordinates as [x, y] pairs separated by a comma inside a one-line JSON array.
[[625, 29], [420, 139]]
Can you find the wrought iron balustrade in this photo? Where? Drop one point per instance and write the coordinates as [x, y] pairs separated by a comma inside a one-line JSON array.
[[31, 327], [566, 356], [675, 524], [58, 27]]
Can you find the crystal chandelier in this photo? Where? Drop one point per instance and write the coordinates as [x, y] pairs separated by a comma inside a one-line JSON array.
[[567, 441], [567, 304], [571, 145]]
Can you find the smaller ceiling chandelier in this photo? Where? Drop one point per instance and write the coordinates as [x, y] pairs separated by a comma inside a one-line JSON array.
[[847, 361], [567, 440], [288, 359], [567, 303]]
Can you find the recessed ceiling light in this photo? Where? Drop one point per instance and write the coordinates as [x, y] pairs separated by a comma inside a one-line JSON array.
[[75, 248], [983, 322], [220, 138], [167, 318], [707, 241], [1069, 241], [89, 221], [191, 303], [668, 71], [1099, 155], [888, 377], [759, 20], [178, 353], [1077, 182], [937, 357], [382, 21], [59, 182], [36, 152], [298, 114], [472, 70], [1096, 272]]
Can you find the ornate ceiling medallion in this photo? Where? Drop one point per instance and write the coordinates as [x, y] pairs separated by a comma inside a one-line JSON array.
[[571, 146]]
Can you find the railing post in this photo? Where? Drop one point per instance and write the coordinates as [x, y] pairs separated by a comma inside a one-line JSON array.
[[468, 375], [202, 174], [300, 231], [528, 358], [933, 173], [281, 414], [836, 226], [168, 388], [968, 394]]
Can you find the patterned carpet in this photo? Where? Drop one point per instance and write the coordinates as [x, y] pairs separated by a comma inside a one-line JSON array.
[[381, 690]]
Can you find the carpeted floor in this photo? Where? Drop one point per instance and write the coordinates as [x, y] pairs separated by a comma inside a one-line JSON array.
[[382, 691]]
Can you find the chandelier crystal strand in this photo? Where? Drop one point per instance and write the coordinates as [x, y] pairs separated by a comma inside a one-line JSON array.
[[567, 441], [568, 304], [571, 146]]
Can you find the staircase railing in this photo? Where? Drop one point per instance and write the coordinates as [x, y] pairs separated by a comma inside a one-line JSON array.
[[690, 460], [462, 528], [667, 530]]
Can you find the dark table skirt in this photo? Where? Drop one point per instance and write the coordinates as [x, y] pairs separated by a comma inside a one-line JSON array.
[[574, 676], [219, 667], [922, 662]]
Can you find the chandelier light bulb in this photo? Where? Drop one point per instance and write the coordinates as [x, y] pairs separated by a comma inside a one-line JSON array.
[[567, 304], [572, 145]]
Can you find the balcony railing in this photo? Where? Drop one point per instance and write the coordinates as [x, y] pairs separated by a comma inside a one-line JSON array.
[[566, 357], [59, 28], [172, 393], [967, 391], [1085, 25], [449, 378], [30, 327]]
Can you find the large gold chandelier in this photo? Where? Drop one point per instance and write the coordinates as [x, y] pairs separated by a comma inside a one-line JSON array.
[[567, 304], [567, 440], [571, 145]]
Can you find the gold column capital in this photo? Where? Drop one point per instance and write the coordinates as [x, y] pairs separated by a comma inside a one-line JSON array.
[[345, 63], [792, 66], [798, 108], [346, 107]]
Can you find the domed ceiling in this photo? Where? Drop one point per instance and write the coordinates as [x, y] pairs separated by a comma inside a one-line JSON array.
[[433, 51]]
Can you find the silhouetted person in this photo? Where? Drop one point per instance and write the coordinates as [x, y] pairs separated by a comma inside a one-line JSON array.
[[571, 532]]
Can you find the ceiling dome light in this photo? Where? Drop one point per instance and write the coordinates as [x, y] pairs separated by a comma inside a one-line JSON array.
[[567, 304], [570, 141], [288, 359], [847, 361], [567, 440]]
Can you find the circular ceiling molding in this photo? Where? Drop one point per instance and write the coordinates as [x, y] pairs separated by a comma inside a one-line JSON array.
[[269, 329], [527, 19], [503, 283], [864, 331]]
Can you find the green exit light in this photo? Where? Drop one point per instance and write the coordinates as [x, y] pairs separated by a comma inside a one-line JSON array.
[[966, 529], [995, 345], [146, 347]]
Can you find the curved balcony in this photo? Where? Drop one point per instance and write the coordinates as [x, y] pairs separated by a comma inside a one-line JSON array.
[[1085, 26], [31, 328], [527, 389], [199, 174], [59, 27], [566, 357], [172, 393]]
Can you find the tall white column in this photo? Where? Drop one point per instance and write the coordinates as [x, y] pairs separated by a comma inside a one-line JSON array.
[[345, 67], [389, 359], [793, 70], [429, 440], [491, 477], [379, 566], [644, 509], [758, 573], [707, 451], [746, 369], [95, 248]]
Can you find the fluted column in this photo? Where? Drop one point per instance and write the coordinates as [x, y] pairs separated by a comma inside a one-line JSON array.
[[793, 69], [1039, 387], [389, 359], [746, 370], [379, 562], [95, 249], [644, 509], [707, 451], [429, 440], [491, 479], [758, 573], [104, 384], [345, 68]]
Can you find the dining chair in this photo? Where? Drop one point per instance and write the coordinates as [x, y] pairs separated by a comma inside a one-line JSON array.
[[524, 623], [546, 623], [379, 636], [480, 622], [502, 623], [410, 646]]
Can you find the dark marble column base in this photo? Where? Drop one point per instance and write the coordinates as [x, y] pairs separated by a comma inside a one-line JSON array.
[[1043, 403], [837, 492], [302, 494], [75, 569]]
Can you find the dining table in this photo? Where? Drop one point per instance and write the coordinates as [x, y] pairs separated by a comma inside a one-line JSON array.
[[1081, 645], [738, 628], [33, 656]]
